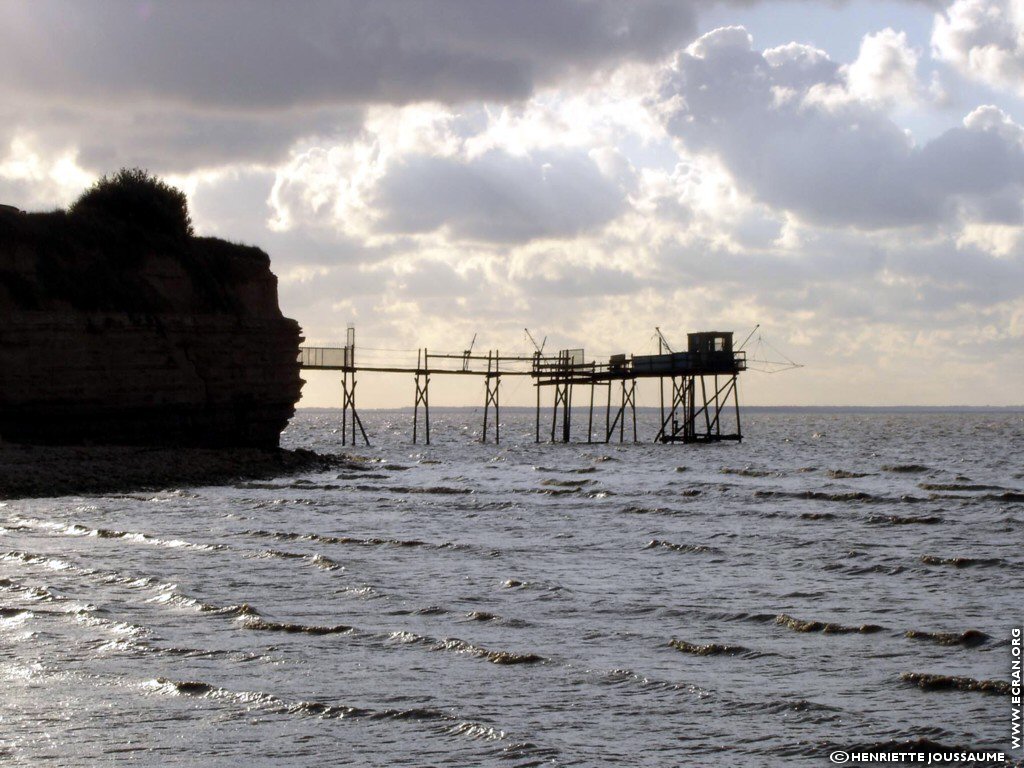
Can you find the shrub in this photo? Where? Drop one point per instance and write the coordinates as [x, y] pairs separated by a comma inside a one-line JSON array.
[[135, 197]]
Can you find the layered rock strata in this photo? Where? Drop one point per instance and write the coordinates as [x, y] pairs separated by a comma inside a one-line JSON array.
[[113, 335]]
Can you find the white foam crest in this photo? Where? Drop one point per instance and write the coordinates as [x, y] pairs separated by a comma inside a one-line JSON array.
[[403, 636], [478, 731]]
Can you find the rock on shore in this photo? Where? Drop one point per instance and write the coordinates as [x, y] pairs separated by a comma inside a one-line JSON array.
[[115, 333], [28, 471]]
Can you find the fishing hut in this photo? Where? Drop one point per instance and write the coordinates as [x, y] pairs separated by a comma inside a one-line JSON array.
[[701, 386]]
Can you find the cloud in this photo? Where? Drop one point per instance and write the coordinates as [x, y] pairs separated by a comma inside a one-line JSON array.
[[185, 85], [885, 69], [983, 40], [253, 56], [428, 170], [788, 127], [498, 197]]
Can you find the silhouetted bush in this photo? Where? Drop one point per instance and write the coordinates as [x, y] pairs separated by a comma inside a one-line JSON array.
[[135, 197]]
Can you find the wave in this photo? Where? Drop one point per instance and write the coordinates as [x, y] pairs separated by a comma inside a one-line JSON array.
[[262, 625], [709, 649], [862, 570], [240, 610], [489, 733], [52, 563], [455, 645], [800, 705], [571, 470], [843, 474], [698, 548], [405, 490], [969, 638], [320, 561], [482, 616], [76, 529], [621, 677], [677, 492], [430, 610], [367, 542], [964, 562], [566, 483], [168, 594], [294, 485], [905, 469], [757, 618], [825, 627], [748, 472], [818, 516], [800, 710], [548, 589], [909, 520], [930, 682], [960, 487], [555, 491], [846, 496], [445, 722], [638, 510], [1012, 496], [14, 615]]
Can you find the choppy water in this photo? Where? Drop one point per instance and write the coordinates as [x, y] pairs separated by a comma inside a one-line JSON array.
[[517, 605]]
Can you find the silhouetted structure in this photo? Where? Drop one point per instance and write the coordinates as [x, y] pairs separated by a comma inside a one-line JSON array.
[[118, 326], [703, 405]]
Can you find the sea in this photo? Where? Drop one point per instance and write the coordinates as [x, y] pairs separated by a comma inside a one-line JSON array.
[[840, 580]]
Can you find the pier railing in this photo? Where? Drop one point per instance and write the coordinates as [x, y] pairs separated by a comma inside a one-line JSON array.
[[327, 358]]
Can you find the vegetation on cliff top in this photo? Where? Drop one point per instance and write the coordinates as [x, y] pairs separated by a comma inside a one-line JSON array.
[[97, 255], [134, 196]]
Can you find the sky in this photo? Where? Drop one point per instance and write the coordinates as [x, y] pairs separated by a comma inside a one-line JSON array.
[[848, 175]]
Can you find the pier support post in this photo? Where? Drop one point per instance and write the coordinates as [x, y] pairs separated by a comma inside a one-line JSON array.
[[562, 381], [348, 403], [422, 397], [590, 418], [712, 407], [563, 400], [628, 400], [736, 402], [632, 404], [492, 382], [669, 430]]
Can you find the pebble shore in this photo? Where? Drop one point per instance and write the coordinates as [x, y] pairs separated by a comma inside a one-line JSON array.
[[32, 471]]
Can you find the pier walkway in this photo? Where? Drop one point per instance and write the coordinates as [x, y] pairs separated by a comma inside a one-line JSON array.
[[702, 387]]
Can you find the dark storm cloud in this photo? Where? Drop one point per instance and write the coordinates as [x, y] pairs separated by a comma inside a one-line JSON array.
[[788, 132], [172, 140], [175, 86], [499, 197], [252, 54]]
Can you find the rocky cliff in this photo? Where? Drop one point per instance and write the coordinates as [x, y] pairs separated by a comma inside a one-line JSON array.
[[113, 334]]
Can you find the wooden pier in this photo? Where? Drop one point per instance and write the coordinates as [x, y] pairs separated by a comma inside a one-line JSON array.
[[703, 387]]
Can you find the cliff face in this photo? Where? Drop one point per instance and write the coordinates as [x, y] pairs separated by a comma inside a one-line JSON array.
[[112, 335]]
